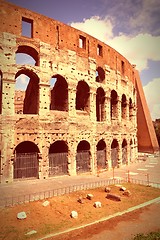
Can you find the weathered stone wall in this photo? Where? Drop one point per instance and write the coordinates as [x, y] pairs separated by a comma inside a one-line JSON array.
[[56, 50]]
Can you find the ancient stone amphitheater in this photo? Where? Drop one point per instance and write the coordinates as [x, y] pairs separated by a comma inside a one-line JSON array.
[[83, 122]]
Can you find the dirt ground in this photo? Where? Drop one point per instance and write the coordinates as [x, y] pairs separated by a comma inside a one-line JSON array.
[[56, 217]]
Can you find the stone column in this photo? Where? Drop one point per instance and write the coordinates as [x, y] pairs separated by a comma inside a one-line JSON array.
[[44, 99]]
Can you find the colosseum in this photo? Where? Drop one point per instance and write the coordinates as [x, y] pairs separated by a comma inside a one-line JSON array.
[[79, 110]]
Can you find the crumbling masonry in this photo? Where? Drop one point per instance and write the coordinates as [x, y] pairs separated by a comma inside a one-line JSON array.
[[86, 121]]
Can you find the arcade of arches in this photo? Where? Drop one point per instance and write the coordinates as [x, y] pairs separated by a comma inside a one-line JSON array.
[[27, 158], [65, 108]]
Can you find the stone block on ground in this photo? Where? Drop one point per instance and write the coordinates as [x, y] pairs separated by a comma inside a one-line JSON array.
[[122, 188], [113, 197], [45, 204], [74, 214], [97, 205], [21, 215], [107, 189], [127, 193], [90, 196], [80, 200], [31, 232]]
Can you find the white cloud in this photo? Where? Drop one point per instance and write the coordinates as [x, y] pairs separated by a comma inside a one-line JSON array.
[[137, 49], [151, 91], [101, 29]]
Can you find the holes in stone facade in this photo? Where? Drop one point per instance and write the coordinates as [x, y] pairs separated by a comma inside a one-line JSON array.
[[100, 105], [27, 55], [0, 92], [82, 42], [83, 97], [59, 94], [27, 27], [30, 104], [124, 106], [114, 104], [100, 74]]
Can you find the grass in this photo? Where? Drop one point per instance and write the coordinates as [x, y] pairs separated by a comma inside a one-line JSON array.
[[150, 236]]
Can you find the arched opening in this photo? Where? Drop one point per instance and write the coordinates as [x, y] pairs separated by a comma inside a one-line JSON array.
[[59, 93], [83, 97], [0, 92], [100, 105], [26, 160], [123, 106], [101, 155], [27, 55], [114, 153], [58, 159], [27, 92], [83, 157], [100, 74], [130, 109], [124, 152], [114, 105]]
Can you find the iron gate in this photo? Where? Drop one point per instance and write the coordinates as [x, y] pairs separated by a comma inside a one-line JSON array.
[[114, 157], [26, 165], [124, 155], [101, 159], [83, 162], [58, 164]]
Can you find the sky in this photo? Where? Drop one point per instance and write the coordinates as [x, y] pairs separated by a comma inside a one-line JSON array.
[[132, 27]]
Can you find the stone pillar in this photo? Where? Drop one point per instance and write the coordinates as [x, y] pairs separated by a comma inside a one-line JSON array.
[[93, 106], [108, 110], [8, 94], [7, 150], [119, 110], [72, 100], [44, 99], [72, 162]]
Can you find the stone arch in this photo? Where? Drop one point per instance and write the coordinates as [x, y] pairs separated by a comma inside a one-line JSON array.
[[101, 155], [1, 88], [114, 104], [58, 158], [124, 152], [114, 153], [59, 94], [30, 51], [100, 74], [100, 105], [123, 106], [30, 103], [26, 160], [83, 157], [83, 96]]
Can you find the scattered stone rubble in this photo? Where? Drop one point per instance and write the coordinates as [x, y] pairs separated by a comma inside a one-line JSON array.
[[21, 215], [46, 203], [74, 214]]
